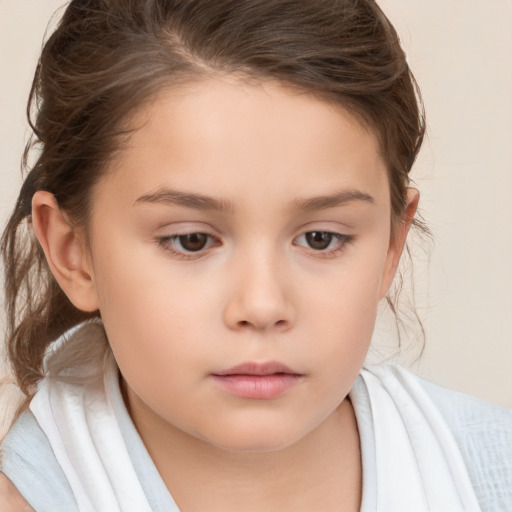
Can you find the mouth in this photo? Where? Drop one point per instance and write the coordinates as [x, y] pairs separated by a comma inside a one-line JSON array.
[[258, 381]]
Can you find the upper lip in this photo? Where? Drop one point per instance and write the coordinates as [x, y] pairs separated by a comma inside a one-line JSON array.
[[254, 368]]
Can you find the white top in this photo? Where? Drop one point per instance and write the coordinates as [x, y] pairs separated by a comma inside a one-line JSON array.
[[423, 448]]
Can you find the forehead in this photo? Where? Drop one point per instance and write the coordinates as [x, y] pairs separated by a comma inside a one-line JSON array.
[[228, 136]]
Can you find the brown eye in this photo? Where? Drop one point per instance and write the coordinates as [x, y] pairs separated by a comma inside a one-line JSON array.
[[319, 240], [193, 242]]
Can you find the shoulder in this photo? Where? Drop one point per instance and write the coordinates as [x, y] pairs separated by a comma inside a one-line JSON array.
[[483, 433], [30, 469], [473, 421], [10, 498], [467, 411], [464, 414]]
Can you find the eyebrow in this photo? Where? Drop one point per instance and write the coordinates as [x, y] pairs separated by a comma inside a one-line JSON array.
[[188, 200], [331, 201], [201, 202]]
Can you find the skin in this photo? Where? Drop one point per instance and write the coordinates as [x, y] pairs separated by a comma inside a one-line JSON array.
[[257, 292], [10, 499]]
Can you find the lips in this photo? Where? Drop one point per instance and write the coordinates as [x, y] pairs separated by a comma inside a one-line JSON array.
[[259, 381], [269, 368]]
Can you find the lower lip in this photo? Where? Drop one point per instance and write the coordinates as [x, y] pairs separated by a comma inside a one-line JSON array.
[[259, 387]]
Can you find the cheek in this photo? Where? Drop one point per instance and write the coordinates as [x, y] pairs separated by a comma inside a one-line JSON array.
[[154, 313], [343, 307], [350, 291], [133, 280]]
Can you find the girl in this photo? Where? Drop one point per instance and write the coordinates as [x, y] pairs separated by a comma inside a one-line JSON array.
[[220, 202]]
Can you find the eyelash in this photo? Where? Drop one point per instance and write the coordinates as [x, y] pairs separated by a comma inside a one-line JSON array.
[[166, 243]]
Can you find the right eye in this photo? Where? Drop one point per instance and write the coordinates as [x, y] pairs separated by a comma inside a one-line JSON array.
[[188, 244], [192, 242]]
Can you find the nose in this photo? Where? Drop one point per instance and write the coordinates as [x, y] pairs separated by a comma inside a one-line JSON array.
[[260, 300]]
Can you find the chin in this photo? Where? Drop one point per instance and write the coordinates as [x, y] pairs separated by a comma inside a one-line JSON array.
[[252, 445], [248, 439]]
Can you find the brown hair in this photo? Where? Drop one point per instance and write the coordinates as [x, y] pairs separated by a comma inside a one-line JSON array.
[[107, 57]]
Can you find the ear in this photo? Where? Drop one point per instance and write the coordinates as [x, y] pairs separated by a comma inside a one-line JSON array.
[[397, 244], [65, 251]]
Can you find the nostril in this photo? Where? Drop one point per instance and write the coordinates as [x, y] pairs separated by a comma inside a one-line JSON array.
[[279, 323]]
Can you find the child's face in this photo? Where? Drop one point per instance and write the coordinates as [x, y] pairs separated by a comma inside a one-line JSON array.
[[288, 199]]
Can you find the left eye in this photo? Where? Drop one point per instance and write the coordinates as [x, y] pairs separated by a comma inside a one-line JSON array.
[[322, 240]]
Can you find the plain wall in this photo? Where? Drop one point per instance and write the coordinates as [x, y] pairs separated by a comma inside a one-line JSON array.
[[459, 51]]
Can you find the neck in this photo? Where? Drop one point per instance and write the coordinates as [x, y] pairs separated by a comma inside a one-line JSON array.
[[322, 471]]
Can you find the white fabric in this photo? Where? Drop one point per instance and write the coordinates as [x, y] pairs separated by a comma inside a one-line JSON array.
[[80, 424], [411, 461], [410, 458]]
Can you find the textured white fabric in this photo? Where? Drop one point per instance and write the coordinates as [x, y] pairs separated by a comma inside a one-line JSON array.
[[81, 426], [410, 458], [483, 432]]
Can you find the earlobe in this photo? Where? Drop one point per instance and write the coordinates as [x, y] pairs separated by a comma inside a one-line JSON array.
[[64, 250], [397, 244]]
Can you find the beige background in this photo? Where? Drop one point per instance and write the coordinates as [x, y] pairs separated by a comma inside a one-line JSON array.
[[460, 53]]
